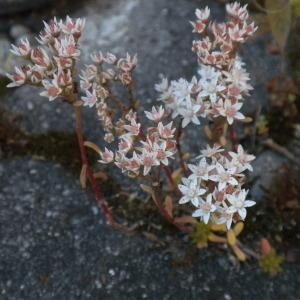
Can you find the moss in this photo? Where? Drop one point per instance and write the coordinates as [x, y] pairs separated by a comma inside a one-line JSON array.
[[271, 263], [200, 235]]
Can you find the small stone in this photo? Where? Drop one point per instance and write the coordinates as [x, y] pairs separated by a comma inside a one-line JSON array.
[[227, 297], [111, 272], [19, 31]]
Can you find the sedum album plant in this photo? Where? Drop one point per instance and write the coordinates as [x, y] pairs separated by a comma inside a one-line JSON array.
[[210, 186]]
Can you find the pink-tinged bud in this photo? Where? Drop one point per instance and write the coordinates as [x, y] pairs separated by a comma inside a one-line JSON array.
[[37, 75], [73, 27], [133, 128], [109, 137], [90, 99], [64, 78], [63, 62], [19, 77], [166, 132], [52, 89], [97, 57], [107, 156], [40, 57], [110, 58], [23, 49], [265, 246], [51, 29], [125, 78]]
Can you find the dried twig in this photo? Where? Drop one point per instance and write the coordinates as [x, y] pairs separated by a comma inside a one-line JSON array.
[[282, 150]]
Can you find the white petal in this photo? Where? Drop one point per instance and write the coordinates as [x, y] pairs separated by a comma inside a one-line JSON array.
[[242, 212], [249, 203], [197, 213], [184, 200], [206, 218]]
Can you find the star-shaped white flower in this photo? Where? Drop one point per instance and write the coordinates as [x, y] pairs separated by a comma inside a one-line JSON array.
[[191, 191], [239, 203], [211, 89], [205, 209], [223, 176], [241, 159], [189, 113], [210, 151], [201, 170]]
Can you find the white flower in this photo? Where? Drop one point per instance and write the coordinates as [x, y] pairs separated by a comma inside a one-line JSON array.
[[189, 113], [163, 89], [242, 159], [225, 217], [156, 114], [191, 191], [148, 160], [238, 77], [210, 88], [182, 89], [166, 131], [203, 14], [223, 176], [201, 170], [210, 151], [162, 154], [90, 99], [205, 209], [238, 203], [231, 111], [208, 73]]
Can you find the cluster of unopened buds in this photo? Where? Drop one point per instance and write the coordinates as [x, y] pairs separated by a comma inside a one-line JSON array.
[[154, 149], [214, 184]]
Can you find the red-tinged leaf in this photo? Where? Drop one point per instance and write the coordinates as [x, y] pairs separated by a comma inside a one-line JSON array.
[[83, 177], [92, 146], [169, 205], [279, 14], [265, 246], [101, 175], [185, 220]]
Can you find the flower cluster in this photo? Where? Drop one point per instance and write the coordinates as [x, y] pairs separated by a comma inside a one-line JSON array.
[[50, 65], [137, 153], [96, 80], [215, 185], [222, 80]]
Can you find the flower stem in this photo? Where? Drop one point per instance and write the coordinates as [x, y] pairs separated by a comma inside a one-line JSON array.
[[233, 137], [180, 154], [171, 180], [89, 173], [159, 203]]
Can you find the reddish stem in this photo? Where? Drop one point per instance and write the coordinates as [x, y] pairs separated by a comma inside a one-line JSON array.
[[233, 137], [180, 154], [171, 180], [90, 176], [158, 201]]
